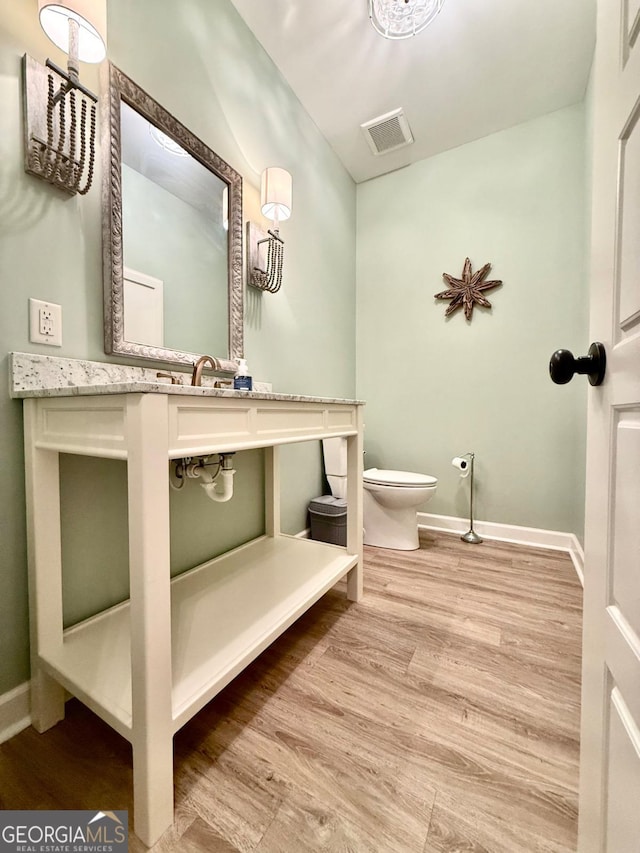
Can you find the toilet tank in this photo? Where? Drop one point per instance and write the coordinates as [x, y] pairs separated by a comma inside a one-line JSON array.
[[334, 451]]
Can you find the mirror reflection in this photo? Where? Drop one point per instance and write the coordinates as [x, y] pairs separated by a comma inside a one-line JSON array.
[[172, 236], [175, 234]]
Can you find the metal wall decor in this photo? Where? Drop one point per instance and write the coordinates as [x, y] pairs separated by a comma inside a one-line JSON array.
[[467, 290]]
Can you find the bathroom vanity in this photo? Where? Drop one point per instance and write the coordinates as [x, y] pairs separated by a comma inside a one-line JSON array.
[[146, 666]]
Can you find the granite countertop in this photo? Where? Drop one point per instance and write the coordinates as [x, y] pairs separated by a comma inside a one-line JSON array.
[[33, 375]]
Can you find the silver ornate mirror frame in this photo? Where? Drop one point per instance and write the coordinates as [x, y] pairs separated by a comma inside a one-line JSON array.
[[122, 88]]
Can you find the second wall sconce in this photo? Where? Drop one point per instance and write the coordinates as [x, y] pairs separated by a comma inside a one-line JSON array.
[[60, 113], [266, 249]]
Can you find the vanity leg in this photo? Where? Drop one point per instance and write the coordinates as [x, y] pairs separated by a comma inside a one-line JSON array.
[[150, 613], [45, 572], [354, 509], [272, 490]]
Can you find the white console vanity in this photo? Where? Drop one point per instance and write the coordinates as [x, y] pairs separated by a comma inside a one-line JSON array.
[[146, 666]]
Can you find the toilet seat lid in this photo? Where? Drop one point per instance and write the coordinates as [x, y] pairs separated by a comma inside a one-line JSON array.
[[382, 477]]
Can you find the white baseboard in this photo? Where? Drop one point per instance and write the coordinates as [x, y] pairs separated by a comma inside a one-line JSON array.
[[15, 711], [533, 537], [577, 558], [304, 534]]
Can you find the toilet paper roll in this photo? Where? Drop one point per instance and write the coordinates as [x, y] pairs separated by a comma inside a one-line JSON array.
[[463, 465]]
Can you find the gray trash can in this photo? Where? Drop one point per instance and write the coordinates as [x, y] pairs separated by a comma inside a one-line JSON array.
[[329, 519]]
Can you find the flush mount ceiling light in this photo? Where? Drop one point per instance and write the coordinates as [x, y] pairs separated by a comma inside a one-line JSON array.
[[400, 19], [166, 142]]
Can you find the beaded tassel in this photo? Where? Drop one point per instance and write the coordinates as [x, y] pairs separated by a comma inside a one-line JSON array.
[[56, 159], [271, 278]]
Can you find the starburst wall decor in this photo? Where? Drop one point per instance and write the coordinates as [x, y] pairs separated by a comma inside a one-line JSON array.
[[467, 291]]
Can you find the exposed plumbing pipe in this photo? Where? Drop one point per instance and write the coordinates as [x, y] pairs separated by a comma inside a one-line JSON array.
[[210, 484]]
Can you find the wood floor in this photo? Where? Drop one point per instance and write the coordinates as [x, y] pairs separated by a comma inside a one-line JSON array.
[[440, 715]]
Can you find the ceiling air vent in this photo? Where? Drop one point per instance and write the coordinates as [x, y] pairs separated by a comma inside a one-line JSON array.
[[387, 132]]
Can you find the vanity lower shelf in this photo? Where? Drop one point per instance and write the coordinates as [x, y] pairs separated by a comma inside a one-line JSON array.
[[223, 614]]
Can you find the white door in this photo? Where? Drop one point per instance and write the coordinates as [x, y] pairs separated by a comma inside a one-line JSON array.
[[610, 748], [143, 308]]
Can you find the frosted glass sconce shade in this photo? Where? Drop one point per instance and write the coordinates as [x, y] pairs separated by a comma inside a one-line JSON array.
[[275, 193], [91, 17]]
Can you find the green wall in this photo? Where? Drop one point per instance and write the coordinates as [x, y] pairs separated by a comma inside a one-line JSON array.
[[437, 387], [199, 61]]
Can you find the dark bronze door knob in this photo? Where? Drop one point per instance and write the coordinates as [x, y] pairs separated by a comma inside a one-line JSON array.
[[563, 365]]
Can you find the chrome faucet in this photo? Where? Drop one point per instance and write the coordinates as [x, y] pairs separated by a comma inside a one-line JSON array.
[[196, 378]]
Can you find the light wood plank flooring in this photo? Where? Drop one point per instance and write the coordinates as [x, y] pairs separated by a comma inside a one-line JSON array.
[[440, 715]]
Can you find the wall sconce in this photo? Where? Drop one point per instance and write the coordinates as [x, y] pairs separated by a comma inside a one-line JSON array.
[[266, 250], [60, 113]]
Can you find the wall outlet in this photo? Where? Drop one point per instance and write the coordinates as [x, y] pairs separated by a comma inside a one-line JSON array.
[[45, 323]]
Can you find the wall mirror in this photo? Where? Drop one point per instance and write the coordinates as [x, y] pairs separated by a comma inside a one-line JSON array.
[[172, 236]]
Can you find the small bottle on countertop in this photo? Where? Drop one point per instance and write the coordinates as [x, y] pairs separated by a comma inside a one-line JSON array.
[[242, 381]]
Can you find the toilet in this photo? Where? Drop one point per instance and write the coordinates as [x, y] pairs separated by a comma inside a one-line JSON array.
[[390, 501]]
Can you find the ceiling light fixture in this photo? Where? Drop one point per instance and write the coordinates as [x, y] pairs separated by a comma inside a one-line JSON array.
[[401, 19], [166, 142]]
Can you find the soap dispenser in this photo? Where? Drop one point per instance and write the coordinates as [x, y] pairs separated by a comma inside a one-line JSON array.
[[242, 380]]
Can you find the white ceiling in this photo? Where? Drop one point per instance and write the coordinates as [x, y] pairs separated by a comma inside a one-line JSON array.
[[481, 66]]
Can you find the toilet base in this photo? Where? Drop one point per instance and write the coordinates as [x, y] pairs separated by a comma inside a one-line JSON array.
[[385, 527]]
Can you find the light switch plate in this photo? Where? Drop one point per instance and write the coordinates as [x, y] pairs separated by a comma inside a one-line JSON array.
[[45, 323]]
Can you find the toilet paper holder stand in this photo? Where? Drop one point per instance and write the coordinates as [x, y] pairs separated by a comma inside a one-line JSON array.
[[465, 464]]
